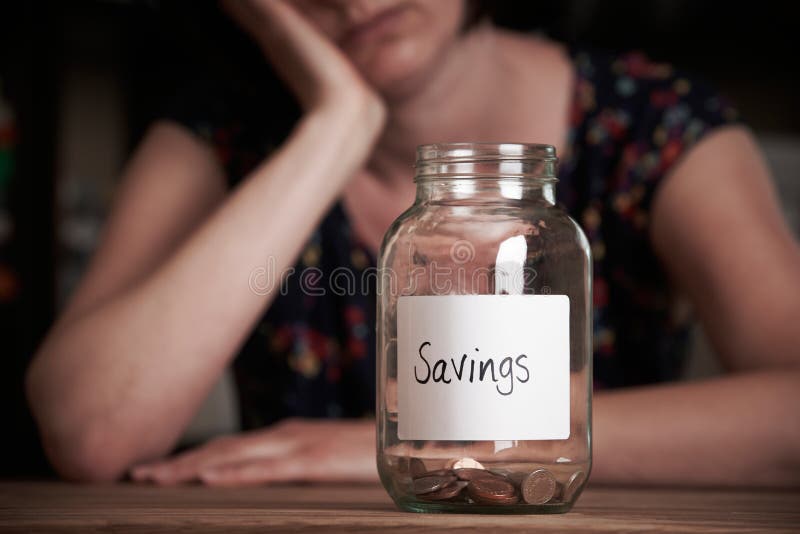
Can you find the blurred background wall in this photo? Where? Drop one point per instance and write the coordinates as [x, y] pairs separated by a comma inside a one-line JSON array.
[[80, 81]]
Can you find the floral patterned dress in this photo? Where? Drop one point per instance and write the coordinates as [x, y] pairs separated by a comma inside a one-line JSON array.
[[631, 121]]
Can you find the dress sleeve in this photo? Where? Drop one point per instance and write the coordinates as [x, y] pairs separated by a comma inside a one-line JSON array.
[[242, 122], [669, 113]]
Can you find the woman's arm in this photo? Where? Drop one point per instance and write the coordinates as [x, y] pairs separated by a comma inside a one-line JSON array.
[[737, 430], [168, 300], [741, 429], [718, 229]]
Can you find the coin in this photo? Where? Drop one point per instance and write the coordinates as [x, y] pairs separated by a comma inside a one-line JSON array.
[[491, 490], [430, 484], [447, 492], [436, 473], [515, 477], [507, 478], [471, 473], [538, 487], [463, 463], [417, 467], [573, 485]]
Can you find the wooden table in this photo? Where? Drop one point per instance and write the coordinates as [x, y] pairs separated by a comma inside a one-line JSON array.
[[56, 506]]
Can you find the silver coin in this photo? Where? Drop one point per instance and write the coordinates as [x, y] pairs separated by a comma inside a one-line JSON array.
[[573, 485], [539, 487]]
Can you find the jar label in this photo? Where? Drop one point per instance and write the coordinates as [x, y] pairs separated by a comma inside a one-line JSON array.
[[483, 367]]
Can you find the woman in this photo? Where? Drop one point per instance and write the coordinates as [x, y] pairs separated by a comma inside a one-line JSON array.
[[668, 187]]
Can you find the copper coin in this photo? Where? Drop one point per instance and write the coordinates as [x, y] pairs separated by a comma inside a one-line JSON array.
[[573, 485], [505, 478], [436, 473], [417, 467], [491, 490], [511, 499], [471, 473], [538, 487], [515, 477], [430, 484], [447, 492]]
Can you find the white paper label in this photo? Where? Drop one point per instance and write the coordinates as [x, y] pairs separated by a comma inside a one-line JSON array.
[[483, 367]]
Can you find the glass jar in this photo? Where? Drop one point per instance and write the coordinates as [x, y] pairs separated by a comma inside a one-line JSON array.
[[484, 337]]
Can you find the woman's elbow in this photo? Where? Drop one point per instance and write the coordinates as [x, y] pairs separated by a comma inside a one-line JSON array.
[[783, 448], [85, 456], [77, 448], [793, 422]]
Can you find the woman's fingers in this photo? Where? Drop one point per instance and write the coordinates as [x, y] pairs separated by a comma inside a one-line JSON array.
[[176, 470], [180, 468], [257, 471], [186, 467], [318, 463], [308, 61], [303, 465], [291, 451]]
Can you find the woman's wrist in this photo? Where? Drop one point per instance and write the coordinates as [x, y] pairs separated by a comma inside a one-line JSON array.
[[357, 113], [341, 134]]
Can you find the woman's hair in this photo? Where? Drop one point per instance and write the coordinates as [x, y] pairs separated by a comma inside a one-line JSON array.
[[475, 11]]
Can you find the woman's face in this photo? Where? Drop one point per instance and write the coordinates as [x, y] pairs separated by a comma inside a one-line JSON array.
[[393, 43]]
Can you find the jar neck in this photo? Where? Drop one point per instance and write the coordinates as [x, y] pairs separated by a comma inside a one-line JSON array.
[[465, 189], [486, 172]]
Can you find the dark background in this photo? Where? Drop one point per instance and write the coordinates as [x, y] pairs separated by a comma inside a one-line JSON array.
[[138, 54]]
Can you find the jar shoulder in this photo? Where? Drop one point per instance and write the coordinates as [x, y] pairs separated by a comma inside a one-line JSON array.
[[483, 226]]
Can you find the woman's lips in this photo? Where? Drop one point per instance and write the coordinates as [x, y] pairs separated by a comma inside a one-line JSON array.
[[374, 26]]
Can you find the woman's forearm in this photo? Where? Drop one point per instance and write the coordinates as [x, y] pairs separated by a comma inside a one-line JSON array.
[[118, 383], [741, 429]]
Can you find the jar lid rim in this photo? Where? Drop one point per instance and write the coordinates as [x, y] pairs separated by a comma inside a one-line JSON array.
[[483, 151]]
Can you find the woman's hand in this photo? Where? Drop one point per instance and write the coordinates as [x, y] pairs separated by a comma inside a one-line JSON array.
[[310, 63], [295, 450]]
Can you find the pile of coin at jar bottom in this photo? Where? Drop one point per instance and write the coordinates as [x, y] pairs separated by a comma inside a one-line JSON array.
[[468, 481]]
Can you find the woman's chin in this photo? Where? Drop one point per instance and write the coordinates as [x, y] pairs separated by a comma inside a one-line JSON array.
[[396, 85], [395, 70]]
